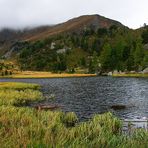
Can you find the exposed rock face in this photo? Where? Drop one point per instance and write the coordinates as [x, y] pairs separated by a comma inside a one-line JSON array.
[[146, 46], [145, 71], [15, 48]]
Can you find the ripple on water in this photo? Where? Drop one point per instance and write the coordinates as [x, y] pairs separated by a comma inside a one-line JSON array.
[[91, 95]]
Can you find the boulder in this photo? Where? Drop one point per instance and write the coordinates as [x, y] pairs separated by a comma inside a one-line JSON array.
[[118, 107], [145, 71], [146, 46]]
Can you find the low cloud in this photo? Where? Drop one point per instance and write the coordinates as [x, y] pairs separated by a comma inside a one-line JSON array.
[[24, 13]]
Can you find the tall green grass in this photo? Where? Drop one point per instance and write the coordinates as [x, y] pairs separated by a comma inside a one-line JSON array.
[[22, 97], [26, 127], [19, 93]]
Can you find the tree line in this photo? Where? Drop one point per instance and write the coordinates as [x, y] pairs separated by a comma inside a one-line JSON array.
[[115, 48]]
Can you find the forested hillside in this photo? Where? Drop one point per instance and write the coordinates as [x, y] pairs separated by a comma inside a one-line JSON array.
[[102, 50], [86, 44]]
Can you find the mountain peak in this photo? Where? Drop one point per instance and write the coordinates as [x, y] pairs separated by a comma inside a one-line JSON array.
[[76, 25]]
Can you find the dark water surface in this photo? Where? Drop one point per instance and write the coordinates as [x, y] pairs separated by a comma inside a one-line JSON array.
[[91, 95]]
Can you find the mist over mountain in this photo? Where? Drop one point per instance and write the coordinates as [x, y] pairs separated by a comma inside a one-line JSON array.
[[73, 25]]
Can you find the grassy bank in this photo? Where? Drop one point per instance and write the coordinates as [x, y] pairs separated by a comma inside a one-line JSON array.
[[35, 74], [18, 93], [28, 127], [130, 75]]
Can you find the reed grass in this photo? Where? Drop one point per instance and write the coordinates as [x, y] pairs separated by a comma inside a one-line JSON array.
[[19, 93], [30, 128], [22, 97]]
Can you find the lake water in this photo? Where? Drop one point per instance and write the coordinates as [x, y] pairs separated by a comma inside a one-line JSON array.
[[92, 95]]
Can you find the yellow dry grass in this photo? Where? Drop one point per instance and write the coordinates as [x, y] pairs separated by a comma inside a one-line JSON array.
[[36, 74]]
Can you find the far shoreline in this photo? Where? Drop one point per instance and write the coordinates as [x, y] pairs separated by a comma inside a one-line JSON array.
[[48, 75], [38, 75]]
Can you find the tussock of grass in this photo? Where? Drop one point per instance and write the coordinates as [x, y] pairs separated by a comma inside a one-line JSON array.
[[24, 127], [27, 127]]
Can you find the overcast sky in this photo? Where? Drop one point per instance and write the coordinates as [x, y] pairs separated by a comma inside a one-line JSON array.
[[23, 13]]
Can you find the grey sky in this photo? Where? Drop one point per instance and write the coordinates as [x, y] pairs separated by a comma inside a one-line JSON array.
[[23, 13]]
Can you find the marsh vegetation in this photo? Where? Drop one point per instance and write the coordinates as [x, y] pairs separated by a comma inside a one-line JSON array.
[[28, 127]]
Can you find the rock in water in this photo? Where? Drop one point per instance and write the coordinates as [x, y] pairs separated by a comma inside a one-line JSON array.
[[118, 107], [46, 107]]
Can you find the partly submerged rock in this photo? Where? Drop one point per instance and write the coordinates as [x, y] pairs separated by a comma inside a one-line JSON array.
[[46, 107], [118, 107]]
